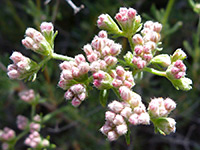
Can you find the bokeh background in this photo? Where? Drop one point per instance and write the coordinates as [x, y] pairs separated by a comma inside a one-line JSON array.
[[78, 128]]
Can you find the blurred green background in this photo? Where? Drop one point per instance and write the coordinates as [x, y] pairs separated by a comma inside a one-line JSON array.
[[78, 128]]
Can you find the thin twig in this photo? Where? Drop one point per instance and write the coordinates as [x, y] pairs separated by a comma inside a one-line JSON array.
[[76, 9]]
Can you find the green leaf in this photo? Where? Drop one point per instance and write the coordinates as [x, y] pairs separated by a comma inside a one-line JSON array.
[[103, 97]]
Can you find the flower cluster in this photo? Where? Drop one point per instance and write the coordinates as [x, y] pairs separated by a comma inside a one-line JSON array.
[[77, 93], [73, 71], [122, 78], [22, 122], [27, 95], [159, 109], [22, 66], [6, 135], [36, 41], [34, 140], [102, 52], [146, 44]]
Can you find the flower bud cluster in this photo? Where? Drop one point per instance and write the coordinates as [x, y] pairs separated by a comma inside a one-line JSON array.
[[101, 52], [22, 122], [122, 78], [35, 41], [35, 125], [119, 113], [20, 67], [77, 93], [73, 70], [159, 107], [125, 17], [146, 44], [102, 80], [176, 70], [138, 114], [27, 95], [115, 124], [159, 110], [7, 134], [34, 140]]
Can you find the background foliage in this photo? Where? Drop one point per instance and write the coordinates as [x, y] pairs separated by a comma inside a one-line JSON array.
[[78, 128]]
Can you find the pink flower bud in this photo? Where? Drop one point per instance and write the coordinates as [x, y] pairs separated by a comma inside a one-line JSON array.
[[117, 83], [83, 68], [46, 27], [105, 51], [133, 119], [110, 60], [144, 118], [110, 116], [67, 74], [92, 57], [138, 49], [82, 96], [65, 66], [169, 104], [75, 72], [112, 136], [125, 93], [76, 102], [140, 109], [147, 57], [137, 39], [136, 59], [77, 89], [106, 128], [157, 27], [115, 49], [121, 129], [148, 24], [95, 66], [126, 112], [141, 64], [28, 42], [131, 13], [79, 59], [102, 34], [69, 95], [116, 106], [17, 57], [98, 43], [88, 49], [13, 74], [118, 120], [120, 71], [30, 32]]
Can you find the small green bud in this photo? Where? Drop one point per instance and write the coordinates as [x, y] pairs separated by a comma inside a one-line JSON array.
[[163, 59]]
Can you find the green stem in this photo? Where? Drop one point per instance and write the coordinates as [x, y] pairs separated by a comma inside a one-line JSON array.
[[131, 43], [33, 107], [154, 71], [116, 93], [167, 12], [44, 61], [52, 114], [22, 134], [61, 57]]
